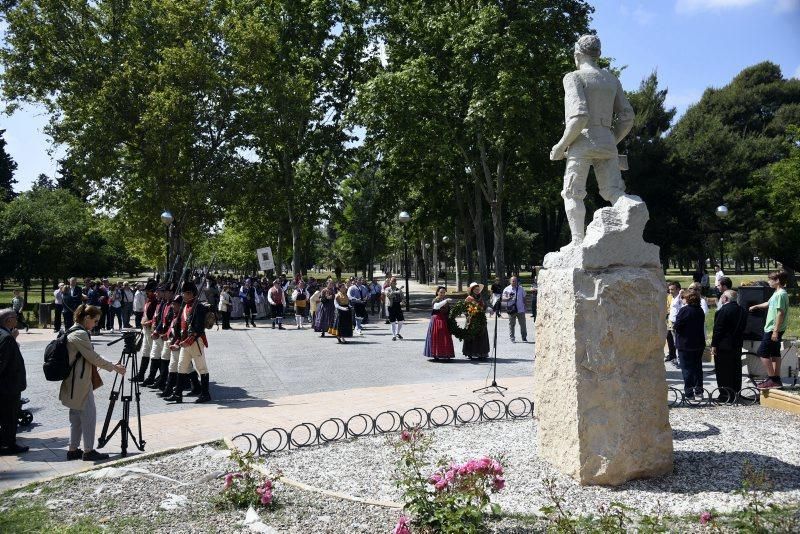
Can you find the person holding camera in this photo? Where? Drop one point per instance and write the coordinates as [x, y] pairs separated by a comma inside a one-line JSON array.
[[514, 297], [77, 390]]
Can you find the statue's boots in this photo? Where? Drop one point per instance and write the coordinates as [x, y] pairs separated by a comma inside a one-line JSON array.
[[151, 378], [172, 379], [197, 389], [177, 391], [142, 369], [161, 383]]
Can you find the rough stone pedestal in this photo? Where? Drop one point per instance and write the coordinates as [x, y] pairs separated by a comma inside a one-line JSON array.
[[600, 391]]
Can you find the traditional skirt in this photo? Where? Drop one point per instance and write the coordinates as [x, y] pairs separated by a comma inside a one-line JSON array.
[[439, 341], [324, 317], [342, 324], [477, 346]]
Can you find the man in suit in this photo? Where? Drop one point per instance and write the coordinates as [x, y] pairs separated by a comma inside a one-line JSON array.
[[12, 383], [726, 345]]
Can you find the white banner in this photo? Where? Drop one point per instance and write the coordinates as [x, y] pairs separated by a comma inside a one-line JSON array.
[[265, 260]]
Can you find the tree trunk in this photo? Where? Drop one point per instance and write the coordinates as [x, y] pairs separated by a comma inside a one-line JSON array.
[[278, 255], [480, 240], [465, 224], [435, 266], [43, 284], [456, 250]]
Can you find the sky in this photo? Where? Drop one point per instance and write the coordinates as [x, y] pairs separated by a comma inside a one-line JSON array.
[[692, 44]]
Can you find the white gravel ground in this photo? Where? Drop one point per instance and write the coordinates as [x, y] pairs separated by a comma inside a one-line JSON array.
[[175, 493], [711, 446]]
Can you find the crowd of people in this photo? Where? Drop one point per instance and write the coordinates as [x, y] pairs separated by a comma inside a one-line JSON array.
[[173, 320], [687, 338]]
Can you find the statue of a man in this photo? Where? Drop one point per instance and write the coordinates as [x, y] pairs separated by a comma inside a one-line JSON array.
[[593, 96]]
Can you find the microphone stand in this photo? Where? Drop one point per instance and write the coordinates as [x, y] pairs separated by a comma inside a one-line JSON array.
[[494, 386]]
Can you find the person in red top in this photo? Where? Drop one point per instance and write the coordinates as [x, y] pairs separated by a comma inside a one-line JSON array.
[[148, 313], [191, 341], [275, 298]]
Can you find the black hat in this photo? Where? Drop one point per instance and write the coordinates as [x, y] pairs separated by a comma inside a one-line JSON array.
[[162, 287], [189, 286], [150, 286]]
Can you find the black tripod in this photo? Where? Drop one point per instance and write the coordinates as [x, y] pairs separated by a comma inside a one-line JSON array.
[[494, 386], [133, 342]]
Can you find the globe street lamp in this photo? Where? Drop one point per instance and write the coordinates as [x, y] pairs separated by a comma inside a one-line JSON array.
[[167, 218], [722, 213], [404, 218]]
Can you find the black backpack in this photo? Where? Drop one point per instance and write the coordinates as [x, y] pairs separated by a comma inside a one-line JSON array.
[[56, 359]]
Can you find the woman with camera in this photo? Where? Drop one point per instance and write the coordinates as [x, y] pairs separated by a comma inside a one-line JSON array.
[[77, 390]]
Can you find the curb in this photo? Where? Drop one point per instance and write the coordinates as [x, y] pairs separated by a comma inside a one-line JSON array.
[[113, 463]]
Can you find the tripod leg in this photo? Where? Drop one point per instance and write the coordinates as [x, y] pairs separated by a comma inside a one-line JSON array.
[[104, 435]]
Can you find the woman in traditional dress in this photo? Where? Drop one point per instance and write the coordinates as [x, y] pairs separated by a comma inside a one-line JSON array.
[[326, 310], [439, 341], [476, 346], [342, 326]]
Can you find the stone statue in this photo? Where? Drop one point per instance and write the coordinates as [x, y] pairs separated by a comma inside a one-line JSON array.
[[600, 387], [593, 96]]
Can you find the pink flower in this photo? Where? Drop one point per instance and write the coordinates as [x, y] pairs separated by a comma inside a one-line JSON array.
[[498, 483], [403, 526], [405, 435], [266, 498], [228, 481], [705, 517]]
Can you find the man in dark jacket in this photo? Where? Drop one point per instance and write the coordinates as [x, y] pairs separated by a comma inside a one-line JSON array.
[[12, 383], [690, 340], [726, 345]]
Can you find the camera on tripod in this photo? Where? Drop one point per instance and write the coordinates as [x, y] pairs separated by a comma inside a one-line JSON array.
[[127, 392], [133, 340]]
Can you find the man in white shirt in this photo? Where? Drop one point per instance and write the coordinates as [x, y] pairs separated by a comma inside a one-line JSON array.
[[718, 275], [514, 298], [58, 303], [674, 303], [138, 305]]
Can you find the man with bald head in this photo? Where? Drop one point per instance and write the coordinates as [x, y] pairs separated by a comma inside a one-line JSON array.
[[12, 383], [726, 345], [593, 99]]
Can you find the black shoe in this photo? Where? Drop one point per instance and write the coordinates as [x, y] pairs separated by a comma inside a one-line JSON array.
[[399, 336], [669, 358], [177, 391], [77, 454], [14, 449], [172, 379], [387, 322], [204, 395], [94, 456], [142, 370], [280, 327], [196, 387]]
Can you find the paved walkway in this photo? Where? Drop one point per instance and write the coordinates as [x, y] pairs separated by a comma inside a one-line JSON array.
[[163, 431]]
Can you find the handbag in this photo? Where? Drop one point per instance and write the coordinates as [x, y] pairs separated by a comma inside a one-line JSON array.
[[96, 380]]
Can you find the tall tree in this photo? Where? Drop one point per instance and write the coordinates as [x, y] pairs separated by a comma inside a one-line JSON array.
[[297, 63], [140, 95], [721, 141], [650, 175], [7, 169], [479, 79]]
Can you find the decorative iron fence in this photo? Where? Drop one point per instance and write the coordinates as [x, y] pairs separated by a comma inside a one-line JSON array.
[[335, 429], [390, 421]]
